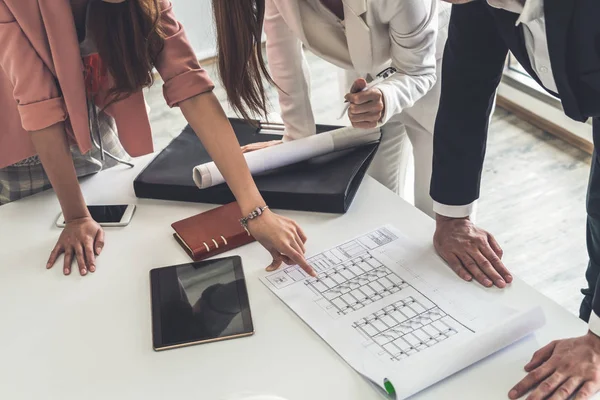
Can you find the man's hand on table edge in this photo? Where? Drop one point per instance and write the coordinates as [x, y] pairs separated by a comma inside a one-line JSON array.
[[562, 369], [470, 251]]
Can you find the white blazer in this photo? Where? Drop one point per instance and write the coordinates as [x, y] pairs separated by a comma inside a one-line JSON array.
[[374, 35]]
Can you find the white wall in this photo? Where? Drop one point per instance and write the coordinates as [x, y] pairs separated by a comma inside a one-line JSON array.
[[196, 17]]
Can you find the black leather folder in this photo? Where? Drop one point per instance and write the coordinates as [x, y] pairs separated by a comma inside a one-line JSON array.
[[324, 184]]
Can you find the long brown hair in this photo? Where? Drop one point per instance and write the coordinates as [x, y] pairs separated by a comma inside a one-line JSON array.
[[241, 64], [129, 38]]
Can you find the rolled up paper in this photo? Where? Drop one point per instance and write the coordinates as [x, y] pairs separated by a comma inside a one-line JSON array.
[[269, 158]]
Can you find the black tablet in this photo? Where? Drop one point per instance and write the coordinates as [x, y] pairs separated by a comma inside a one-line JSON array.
[[199, 302]]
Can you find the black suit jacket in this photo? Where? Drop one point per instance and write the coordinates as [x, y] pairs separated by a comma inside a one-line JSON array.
[[478, 43], [479, 39]]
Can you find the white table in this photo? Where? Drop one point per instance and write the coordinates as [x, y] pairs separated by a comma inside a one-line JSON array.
[[90, 338]]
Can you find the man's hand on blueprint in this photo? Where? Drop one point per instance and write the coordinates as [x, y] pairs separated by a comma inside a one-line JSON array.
[[470, 251], [562, 369]]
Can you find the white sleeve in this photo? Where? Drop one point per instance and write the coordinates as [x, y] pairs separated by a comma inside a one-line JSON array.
[[594, 324], [455, 211], [289, 70], [413, 33]]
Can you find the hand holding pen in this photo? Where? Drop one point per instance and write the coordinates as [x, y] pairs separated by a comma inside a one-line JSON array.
[[365, 103]]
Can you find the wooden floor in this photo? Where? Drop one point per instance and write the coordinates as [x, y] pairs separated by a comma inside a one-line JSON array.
[[533, 190]]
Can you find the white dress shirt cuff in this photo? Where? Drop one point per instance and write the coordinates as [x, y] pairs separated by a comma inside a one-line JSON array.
[[454, 211], [595, 324], [390, 102]]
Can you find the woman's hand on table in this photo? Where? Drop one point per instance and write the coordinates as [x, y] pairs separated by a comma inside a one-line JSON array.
[[82, 239], [260, 145], [283, 238]]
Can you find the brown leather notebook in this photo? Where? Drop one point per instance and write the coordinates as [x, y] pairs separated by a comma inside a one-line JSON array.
[[212, 232]]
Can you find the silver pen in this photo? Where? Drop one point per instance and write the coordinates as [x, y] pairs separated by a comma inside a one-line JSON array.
[[271, 132], [271, 125], [382, 76]]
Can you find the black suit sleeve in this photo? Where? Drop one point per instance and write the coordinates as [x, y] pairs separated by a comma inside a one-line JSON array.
[[472, 68], [591, 301]]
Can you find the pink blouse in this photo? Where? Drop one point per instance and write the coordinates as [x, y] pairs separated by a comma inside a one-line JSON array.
[[41, 79]]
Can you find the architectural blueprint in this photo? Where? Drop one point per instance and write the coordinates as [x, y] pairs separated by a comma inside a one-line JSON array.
[[388, 308]]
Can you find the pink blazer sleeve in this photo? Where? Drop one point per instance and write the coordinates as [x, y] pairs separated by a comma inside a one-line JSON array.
[[35, 91], [177, 63]]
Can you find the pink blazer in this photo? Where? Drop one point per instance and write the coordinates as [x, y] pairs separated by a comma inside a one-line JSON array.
[[41, 79]]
